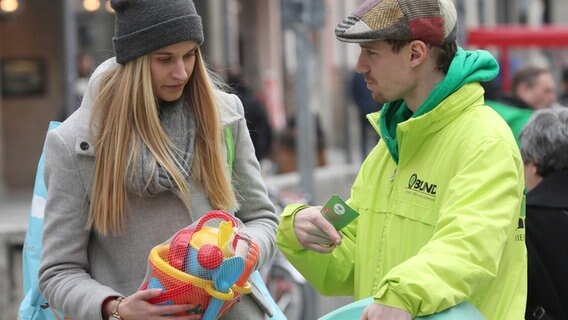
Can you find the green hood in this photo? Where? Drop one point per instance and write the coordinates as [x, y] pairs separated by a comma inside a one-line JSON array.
[[466, 67]]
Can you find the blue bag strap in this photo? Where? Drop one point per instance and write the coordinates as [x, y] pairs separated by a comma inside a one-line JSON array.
[[31, 306]]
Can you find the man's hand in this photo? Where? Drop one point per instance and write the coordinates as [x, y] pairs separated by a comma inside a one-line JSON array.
[[315, 232], [376, 311]]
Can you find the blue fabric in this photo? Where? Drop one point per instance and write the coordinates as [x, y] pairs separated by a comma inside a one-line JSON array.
[[30, 307], [462, 311], [257, 281]]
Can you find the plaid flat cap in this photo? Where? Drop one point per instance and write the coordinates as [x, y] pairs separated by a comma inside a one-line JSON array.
[[432, 21]]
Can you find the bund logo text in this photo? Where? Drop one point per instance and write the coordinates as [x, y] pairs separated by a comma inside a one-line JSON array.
[[421, 186]]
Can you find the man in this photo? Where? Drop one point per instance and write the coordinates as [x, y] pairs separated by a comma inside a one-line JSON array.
[[532, 88], [440, 196], [544, 147]]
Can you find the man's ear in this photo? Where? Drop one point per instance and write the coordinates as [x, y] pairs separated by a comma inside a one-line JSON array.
[[532, 168], [418, 52], [532, 178]]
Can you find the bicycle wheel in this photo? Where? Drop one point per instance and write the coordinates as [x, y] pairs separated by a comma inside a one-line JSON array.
[[297, 300]]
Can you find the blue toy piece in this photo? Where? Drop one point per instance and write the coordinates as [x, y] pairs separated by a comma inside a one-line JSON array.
[[223, 278], [154, 283], [193, 267], [462, 311]]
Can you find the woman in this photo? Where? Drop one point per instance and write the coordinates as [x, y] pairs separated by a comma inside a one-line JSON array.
[[143, 157]]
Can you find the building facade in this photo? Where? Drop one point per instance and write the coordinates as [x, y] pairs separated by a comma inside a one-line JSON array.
[[40, 41]]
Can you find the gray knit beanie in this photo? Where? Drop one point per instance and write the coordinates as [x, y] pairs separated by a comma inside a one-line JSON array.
[[143, 26]]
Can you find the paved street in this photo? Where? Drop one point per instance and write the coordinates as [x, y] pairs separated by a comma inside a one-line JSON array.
[[14, 210]]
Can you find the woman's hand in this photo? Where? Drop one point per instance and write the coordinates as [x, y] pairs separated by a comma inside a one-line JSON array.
[[136, 307]]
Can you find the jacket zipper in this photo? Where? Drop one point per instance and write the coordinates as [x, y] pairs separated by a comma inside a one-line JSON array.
[[391, 183]]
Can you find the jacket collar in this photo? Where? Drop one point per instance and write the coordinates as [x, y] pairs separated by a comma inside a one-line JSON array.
[[466, 97], [550, 192], [467, 67]]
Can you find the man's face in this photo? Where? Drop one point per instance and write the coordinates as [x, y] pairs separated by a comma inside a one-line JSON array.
[[387, 73], [543, 94]]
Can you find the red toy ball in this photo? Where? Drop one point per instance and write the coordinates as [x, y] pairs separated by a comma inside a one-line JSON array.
[[209, 256]]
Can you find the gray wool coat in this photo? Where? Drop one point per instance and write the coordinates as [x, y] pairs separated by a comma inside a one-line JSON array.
[[80, 268]]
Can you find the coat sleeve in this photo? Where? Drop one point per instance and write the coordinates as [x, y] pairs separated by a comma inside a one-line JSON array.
[[256, 210], [64, 268], [477, 217]]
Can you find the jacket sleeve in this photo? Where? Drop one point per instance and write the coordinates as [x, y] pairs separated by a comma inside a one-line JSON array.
[[329, 274], [256, 210], [64, 268], [477, 217]]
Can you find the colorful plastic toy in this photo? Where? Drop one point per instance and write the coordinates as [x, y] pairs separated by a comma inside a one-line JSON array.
[[207, 264]]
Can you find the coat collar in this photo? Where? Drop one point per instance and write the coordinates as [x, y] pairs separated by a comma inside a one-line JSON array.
[[550, 192], [82, 117]]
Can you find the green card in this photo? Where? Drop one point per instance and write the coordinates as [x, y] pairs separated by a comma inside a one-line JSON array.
[[338, 213]]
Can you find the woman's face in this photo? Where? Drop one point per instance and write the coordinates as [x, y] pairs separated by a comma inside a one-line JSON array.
[[171, 69]]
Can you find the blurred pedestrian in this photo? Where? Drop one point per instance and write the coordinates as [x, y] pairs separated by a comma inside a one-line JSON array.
[[257, 118], [363, 99], [515, 117], [439, 197], [532, 88], [143, 157], [286, 155], [544, 147], [85, 66], [563, 100]]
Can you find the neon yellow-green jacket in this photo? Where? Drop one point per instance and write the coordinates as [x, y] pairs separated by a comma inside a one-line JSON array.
[[436, 228]]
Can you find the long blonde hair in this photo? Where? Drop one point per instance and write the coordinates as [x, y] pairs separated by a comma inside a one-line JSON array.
[[125, 116]]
